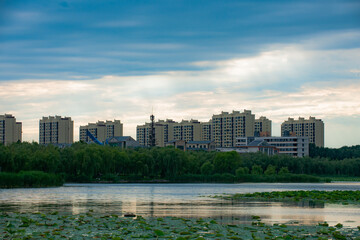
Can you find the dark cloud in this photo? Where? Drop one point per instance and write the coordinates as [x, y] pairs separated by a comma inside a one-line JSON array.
[[95, 38]]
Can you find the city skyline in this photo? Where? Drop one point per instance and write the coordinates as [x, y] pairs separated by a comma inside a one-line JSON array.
[[103, 128], [93, 61]]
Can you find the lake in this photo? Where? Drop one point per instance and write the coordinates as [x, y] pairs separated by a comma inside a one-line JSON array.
[[183, 200]]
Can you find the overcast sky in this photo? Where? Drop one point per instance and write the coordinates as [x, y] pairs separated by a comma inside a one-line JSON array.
[[105, 60]]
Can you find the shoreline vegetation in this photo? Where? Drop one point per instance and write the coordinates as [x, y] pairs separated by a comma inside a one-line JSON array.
[[33, 179], [89, 225], [33, 165], [338, 196], [30, 179]]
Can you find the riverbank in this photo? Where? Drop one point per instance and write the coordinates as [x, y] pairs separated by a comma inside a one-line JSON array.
[[89, 225], [213, 178]]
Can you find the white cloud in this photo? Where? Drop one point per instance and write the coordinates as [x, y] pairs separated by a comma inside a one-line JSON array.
[[285, 82]]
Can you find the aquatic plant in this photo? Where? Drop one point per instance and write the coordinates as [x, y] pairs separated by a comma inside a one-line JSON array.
[[86, 226], [341, 197]]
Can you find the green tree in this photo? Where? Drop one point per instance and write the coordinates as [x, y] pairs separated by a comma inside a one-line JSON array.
[[256, 170], [241, 171], [227, 162], [270, 170], [207, 168], [283, 170]]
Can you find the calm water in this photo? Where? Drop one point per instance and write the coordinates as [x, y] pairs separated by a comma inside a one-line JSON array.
[[181, 200]]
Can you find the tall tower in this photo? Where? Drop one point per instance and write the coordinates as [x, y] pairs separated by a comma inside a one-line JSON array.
[[152, 131]]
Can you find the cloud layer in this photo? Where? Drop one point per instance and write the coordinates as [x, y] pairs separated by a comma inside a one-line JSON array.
[[280, 83], [96, 60]]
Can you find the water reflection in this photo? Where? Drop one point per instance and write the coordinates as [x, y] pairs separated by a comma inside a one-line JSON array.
[[181, 200]]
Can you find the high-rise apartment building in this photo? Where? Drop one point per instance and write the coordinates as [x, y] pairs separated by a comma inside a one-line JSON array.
[[262, 127], [226, 127], [101, 130], [10, 130], [206, 131], [143, 134], [168, 129], [187, 130], [56, 130], [312, 128]]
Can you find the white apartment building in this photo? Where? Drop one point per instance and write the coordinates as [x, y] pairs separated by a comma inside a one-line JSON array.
[[226, 127], [101, 130], [312, 128], [10, 130], [56, 130]]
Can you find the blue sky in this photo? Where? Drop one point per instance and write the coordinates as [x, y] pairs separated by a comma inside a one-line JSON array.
[[98, 60]]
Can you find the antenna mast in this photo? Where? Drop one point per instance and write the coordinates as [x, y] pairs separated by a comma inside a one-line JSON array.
[[152, 131]]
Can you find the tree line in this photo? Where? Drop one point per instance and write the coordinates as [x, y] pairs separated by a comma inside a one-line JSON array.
[[88, 162], [335, 153]]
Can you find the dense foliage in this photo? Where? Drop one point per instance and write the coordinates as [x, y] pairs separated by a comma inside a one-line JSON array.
[[88, 162], [335, 153], [29, 179]]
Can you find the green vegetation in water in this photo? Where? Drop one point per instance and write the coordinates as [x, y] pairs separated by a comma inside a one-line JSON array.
[[342, 197], [29, 179], [87, 226], [341, 179]]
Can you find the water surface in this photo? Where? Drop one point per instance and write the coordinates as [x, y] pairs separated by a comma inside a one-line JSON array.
[[182, 200]]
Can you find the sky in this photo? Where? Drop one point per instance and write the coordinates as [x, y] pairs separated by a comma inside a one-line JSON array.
[[183, 59]]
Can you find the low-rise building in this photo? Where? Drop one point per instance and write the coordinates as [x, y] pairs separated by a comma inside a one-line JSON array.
[[122, 142], [179, 144], [10, 129], [293, 146], [200, 145], [192, 145]]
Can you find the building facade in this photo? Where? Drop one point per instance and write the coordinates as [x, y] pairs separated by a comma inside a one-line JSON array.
[[226, 127], [206, 131], [101, 130], [292, 146], [166, 131], [187, 130], [56, 130], [10, 130], [122, 142], [143, 134], [312, 128], [262, 127]]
